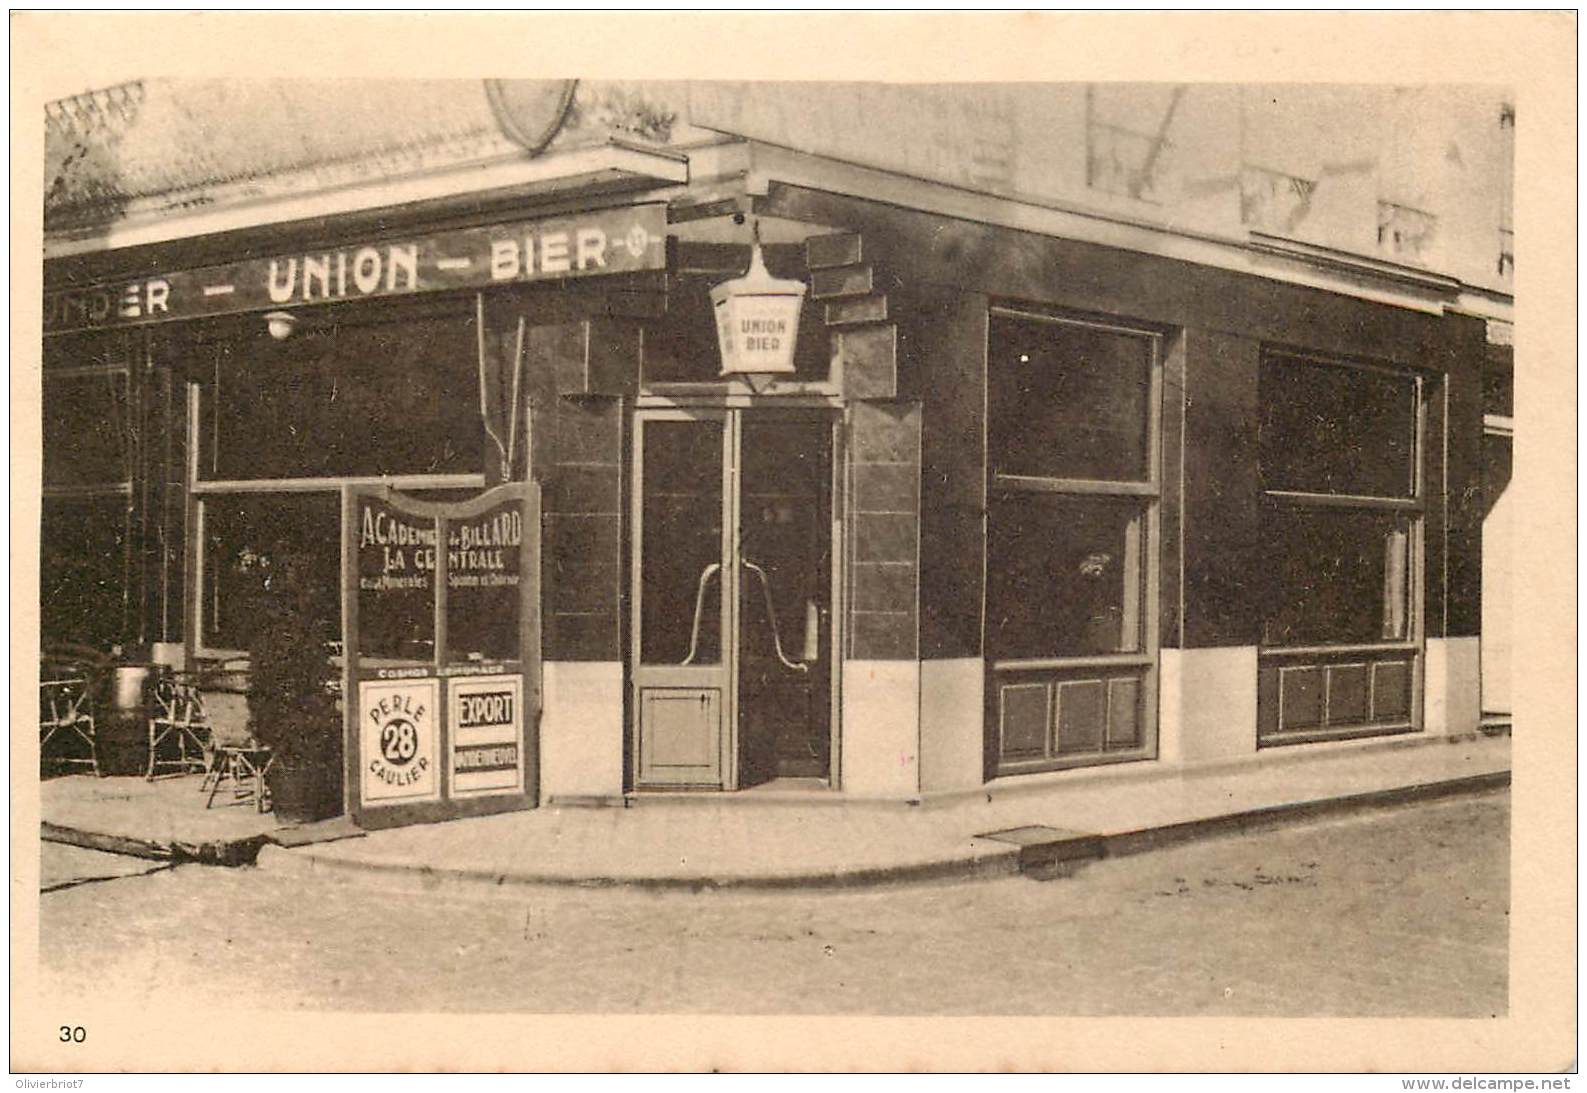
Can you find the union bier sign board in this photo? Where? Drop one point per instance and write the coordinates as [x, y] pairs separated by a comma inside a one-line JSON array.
[[625, 240]]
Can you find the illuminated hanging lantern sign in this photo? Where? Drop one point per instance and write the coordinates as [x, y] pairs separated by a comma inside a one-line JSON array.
[[757, 320]]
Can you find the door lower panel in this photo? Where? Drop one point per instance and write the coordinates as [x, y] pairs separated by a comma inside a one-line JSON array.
[[682, 741]]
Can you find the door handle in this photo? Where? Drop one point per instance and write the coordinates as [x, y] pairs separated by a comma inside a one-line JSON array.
[[699, 610], [812, 632], [771, 617]]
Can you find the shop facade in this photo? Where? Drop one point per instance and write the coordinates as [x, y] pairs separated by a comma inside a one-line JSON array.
[[1040, 492]]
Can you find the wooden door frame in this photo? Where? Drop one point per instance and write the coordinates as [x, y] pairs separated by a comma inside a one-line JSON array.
[[726, 670], [731, 413]]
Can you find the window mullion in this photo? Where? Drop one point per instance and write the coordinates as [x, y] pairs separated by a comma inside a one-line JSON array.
[[1015, 483], [1344, 501], [333, 485]]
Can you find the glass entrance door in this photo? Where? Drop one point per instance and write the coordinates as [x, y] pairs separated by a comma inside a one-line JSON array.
[[784, 596], [733, 590], [681, 670]]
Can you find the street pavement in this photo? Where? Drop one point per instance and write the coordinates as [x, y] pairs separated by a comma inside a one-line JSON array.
[[1402, 912], [68, 866]]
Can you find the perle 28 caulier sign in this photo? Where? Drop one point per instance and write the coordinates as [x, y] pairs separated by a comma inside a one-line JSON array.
[[626, 240], [398, 725]]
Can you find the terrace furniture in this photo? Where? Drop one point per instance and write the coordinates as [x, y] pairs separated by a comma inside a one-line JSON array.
[[66, 718], [246, 765], [180, 725]]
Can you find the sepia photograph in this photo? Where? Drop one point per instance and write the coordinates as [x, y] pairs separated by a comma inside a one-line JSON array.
[[775, 546]]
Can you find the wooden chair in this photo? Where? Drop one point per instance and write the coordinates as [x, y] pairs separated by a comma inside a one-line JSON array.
[[233, 754], [66, 718], [180, 724]]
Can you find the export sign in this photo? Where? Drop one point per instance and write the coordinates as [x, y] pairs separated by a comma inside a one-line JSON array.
[[486, 718], [398, 738], [626, 240]]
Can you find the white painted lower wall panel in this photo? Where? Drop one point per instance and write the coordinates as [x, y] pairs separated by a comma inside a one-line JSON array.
[[880, 737], [581, 730], [952, 716], [1207, 704], [1453, 694]]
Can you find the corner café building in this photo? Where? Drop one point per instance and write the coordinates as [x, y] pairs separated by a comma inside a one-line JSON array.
[[1042, 488]]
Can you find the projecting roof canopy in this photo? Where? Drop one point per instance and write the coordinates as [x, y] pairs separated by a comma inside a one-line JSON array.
[[160, 149]]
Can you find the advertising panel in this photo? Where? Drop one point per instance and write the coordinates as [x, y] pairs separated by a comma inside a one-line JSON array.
[[398, 731], [441, 624], [589, 244], [486, 716]]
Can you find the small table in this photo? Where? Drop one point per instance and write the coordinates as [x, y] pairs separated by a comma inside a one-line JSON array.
[[246, 766]]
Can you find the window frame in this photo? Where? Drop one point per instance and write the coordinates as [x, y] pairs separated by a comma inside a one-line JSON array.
[[1138, 579], [1145, 497], [1148, 486], [1413, 498], [129, 453], [199, 490], [1413, 606], [1413, 505], [1413, 509], [88, 496]]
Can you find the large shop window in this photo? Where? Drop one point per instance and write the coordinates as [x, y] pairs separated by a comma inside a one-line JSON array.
[[1341, 529], [1082, 560], [281, 426], [1337, 431], [83, 564], [87, 429], [1071, 518], [90, 449], [343, 400], [245, 536]]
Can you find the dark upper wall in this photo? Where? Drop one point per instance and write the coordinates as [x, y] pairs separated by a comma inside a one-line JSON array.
[[1463, 351], [944, 273], [1221, 489], [918, 247], [943, 332]]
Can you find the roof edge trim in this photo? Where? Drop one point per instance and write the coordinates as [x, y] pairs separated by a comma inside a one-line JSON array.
[[557, 170]]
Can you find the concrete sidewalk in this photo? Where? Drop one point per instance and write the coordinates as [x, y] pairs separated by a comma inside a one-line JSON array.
[[164, 820], [1035, 823]]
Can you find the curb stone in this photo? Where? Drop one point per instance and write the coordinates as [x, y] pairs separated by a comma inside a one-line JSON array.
[[225, 852], [1034, 856], [1024, 851], [997, 863]]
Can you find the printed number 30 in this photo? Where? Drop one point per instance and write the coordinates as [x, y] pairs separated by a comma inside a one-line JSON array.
[[73, 1034]]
